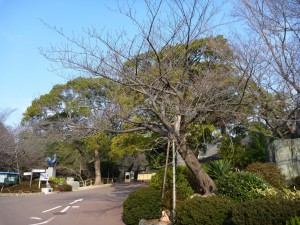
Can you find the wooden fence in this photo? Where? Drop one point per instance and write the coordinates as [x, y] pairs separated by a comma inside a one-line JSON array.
[[89, 182]]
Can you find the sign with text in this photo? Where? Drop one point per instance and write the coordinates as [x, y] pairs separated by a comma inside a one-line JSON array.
[[44, 177], [38, 170], [2, 178], [27, 173]]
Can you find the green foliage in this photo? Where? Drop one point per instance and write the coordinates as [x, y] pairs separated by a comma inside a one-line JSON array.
[[75, 99], [183, 187], [293, 221], [265, 211], [59, 184], [243, 148], [239, 185], [128, 143], [144, 203], [270, 172], [218, 168], [204, 211], [202, 134], [295, 182], [57, 180], [72, 157], [101, 142], [279, 193]]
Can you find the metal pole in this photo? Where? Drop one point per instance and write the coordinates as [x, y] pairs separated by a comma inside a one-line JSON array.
[[174, 181], [31, 179], [166, 168]]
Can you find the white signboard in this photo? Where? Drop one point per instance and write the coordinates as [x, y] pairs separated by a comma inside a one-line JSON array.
[[2, 177], [44, 177], [27, 173], [38, 170]]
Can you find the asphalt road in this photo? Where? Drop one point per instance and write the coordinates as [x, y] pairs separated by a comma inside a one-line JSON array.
[[97, 206]]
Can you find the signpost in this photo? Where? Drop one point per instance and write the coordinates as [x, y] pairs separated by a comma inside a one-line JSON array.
[[43, 177], [34, 171], [38, 170], [27, 173]]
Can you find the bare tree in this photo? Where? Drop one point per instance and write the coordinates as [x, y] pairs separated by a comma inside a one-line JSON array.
[[270, 59], [173, 75], [7, 143]]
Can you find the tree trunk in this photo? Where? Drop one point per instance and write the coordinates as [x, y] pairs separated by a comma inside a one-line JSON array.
[[97, 168], [207, 186]]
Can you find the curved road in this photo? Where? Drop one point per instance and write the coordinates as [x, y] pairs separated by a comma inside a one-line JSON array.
[[101, 205]]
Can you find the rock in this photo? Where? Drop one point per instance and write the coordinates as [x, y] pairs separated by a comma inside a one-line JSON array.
[[74, 184]]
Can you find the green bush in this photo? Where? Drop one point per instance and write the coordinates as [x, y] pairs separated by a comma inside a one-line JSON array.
[[204, 211], [295, 182], [293, 221], [57, 180], [183, 186], [264, 211], [239, 185], [270, 172], [144, 203], [218, 168], [244, 148], [286, 194]]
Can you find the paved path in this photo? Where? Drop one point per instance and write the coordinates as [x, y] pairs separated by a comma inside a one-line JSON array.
[[100, 205]]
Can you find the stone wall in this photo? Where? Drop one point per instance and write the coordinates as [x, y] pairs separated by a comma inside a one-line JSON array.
[[286, 154]]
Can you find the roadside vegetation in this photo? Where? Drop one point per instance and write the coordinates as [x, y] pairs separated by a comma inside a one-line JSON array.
[[58, 185]]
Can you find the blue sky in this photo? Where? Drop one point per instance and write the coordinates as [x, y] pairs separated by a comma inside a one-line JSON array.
[[24, 73]]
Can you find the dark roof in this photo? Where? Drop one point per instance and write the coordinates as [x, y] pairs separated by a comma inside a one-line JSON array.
[[11, 173]]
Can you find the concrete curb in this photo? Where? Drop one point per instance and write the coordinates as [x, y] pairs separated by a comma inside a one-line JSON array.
[[55, 192]]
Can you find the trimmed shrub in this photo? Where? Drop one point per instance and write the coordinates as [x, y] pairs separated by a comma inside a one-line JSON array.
[[283, 193], [293, 221], [218, 168], [239, 186], [270, 172], [264, 211], [204, 211], [295, 182], [144, 203], [183, 187]]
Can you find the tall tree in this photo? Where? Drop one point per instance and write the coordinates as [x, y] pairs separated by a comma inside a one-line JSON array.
[[271, 59], [180, 76], [69, 111]]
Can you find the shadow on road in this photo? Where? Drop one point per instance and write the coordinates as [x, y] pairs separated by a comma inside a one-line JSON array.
[[122, 190]]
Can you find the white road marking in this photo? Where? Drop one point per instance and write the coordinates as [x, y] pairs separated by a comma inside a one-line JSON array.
[[62, 211], [51, 209], [65, 209], [78, 200], [35, 218], [47, 221]]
